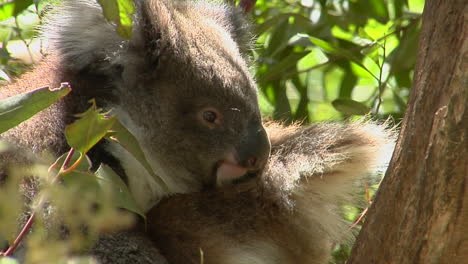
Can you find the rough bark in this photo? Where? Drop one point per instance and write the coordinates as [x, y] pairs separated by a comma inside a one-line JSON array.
[[420, 214]]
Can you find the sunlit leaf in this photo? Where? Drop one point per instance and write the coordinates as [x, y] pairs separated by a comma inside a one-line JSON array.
[[350, 107], [6, 260], [279, 39], [348, 81], [13, 8], [84, 181], [91, 127], [121, 135], [103, 179], [4, 76], [333, 49], [403, 58], [16, 109], [370, 8], [119, 12], [107, 178], [260, 29], [284, 65]]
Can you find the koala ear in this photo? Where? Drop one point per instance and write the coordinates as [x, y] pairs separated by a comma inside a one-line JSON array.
[[147, 39], [79, 33], [234, 21], [85, 42]]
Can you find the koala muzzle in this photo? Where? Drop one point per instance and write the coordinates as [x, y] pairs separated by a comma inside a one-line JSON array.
[[248, 159], [254, 150]]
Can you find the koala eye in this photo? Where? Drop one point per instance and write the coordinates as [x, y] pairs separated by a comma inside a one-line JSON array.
[[210, 117]]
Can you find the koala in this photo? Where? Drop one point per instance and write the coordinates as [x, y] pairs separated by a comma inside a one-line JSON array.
[[181, 85], [290, 213]]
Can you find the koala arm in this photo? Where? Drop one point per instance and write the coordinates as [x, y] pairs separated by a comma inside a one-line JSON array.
[[126, 247], [289, 214]]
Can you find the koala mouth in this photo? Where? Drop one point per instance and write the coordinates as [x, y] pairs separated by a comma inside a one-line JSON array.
[[227, 172]]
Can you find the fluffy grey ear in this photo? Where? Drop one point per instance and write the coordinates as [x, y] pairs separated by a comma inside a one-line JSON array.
[[233, 19], [81, 34]]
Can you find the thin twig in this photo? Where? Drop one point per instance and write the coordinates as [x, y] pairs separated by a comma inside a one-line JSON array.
[[381, 84], [40, 204], [18, 30]]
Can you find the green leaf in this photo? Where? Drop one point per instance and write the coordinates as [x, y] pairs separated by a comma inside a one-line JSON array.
[[350, 107], [104, 179], [262, 28], [7, 260], [121, 135], [107, 178], [283, 66], [347, 83], [16, 109], [84, 181], [13, 8], [119, 12], [363, 9], [332, 49], [403, 58], [80, 177], [399, 101], [92, 126], [278, 39]]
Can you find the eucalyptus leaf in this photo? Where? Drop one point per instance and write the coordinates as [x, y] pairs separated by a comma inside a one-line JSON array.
[[121, 135], [85, 182], [122, 197], [333, 49], [89, 129], [13, 8], [7, 260], [16, 109], [283, 66], [120, 13], [350, 107]]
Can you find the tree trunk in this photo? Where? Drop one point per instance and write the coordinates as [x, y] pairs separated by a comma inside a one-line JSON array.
[[420, 214]]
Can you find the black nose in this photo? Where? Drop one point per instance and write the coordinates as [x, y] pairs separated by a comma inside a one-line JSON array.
[[254, 149]]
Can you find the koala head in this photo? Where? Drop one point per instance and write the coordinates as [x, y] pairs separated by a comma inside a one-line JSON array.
[[181, 85]]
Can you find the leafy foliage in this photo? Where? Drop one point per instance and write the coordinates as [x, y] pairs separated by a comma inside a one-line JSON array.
[[321, 60]]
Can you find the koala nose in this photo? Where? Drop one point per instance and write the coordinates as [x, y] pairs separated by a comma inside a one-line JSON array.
[[254, 150], [251, 163]]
